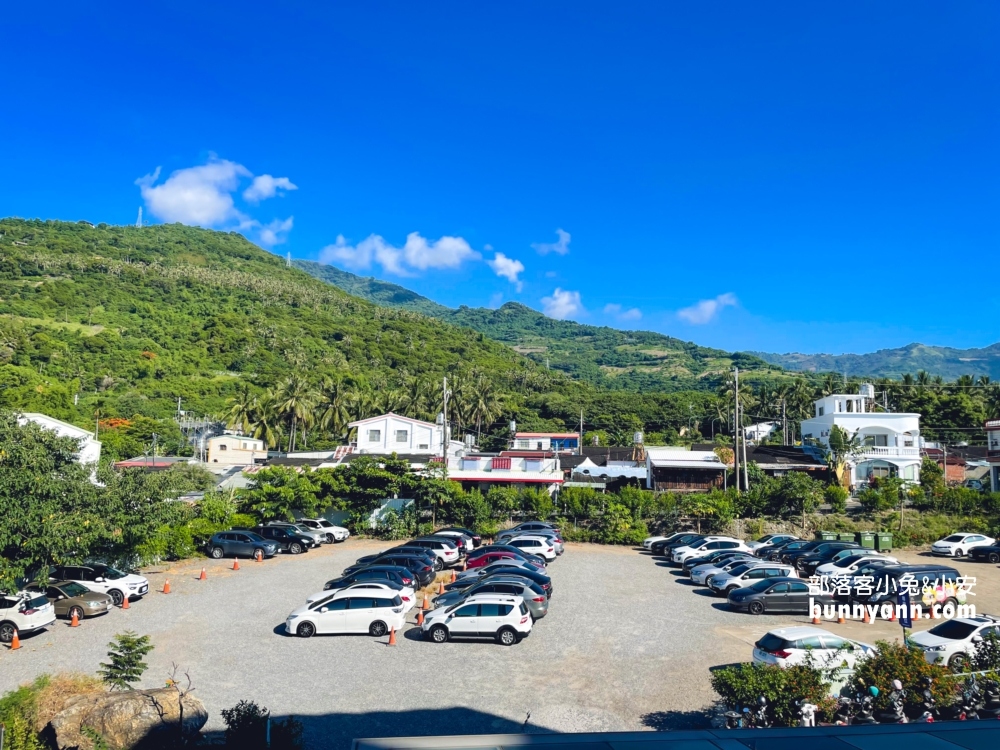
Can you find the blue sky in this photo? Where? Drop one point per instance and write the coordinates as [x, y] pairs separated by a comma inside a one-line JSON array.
[[780, 176]]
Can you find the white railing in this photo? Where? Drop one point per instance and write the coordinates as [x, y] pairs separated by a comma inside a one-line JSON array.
[[876, 450]]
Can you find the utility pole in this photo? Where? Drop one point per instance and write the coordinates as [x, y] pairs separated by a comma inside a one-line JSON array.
[[444, 427], [736, 428], [784, 424], [579, 450]]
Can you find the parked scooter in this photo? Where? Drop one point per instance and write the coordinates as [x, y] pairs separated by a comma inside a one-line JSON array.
[[843, 715], [991, 700], [927, 702], [865, 707], [897, 700], [761, 716], [807, 713], [968, 705], [738, 719]]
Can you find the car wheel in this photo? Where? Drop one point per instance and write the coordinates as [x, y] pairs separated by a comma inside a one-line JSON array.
[[217, 553], [7, 631], [378, 629], [959, 552], [117, 597], [439, 634], [295, 548], [756, 608], [305, 630], [438, 564], [259, 552], [78, 611], [330, 539], [958, 663], [506, 637], [994, 557]]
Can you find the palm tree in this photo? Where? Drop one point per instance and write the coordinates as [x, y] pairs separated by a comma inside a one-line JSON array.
[[486, 403], [265, 421], [295, 398], [417, 399], [334, 406], [241, 409]]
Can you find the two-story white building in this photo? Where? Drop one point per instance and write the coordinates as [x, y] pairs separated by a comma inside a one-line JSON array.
[[992, 428], [509, 468], [393, 433], [235, 450], [890, 442]]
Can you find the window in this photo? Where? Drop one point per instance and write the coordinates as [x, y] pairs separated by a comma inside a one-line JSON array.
[[837, 643], [489, 610], [781, 588], [337, 605], [361, 603], [222, 446], [775, 573], [879, 441], [374, 436], [811, 641], [472, 610], [754, 574], [820, 411], [797, 587], [423, 446], [402, 436]]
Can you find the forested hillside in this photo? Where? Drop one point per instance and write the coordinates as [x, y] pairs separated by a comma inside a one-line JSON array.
[[944, 361], [601, 355]]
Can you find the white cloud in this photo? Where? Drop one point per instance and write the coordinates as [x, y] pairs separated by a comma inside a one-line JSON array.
[[197, 195], [418, 254], [508, 268], [560, 247], [705, 311], [276, 232], [265, 186], [613, 308], [562, 304]]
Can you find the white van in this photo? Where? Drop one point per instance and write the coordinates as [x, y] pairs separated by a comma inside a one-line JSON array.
[[348, 611]]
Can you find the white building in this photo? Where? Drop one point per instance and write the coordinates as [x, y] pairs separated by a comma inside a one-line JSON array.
[[992, 428], [90, 447], [235, 450], [392, 433], [890, 442], [760, 431], [510, 468]]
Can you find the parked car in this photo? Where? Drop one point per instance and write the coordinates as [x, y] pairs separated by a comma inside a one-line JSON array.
[[461, 543], [954, 641], [775, 551], [503, 618], [701, 573], [554, 538], [375, 588], [424, 554], [423, 572], [240, 544], [316, 538], [533, 526], [468, 543], [776, 595], [348, 612], [865, 574], [786, 647], [850, 564], [793, 557], [715, 556], [708, 544], [890, 580], [533, 594], [504, 562], [822, 555], [68, 598], [393, 573], [665, 546], [989, 554], [518, 552], [288, 540], [465, 581], [959, 545], [476, 539], [24, 612], [332, 532], [103, 579], [770, 540], [536, 545], [446, 551], [647, 543], [740, 576], [482, 561]]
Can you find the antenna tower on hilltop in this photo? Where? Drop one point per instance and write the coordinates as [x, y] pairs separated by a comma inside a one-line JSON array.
[[138, 221], [288, 259]]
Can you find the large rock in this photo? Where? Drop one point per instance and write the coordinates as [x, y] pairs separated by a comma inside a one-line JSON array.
[[129, 719]]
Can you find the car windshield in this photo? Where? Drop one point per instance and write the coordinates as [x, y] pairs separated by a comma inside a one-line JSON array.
[[761, 585], [953, 630], [766, 538], [954, 538], [113, 574], [74, 589]]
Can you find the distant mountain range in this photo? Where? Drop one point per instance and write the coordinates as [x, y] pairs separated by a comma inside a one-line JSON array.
[[643, 359]]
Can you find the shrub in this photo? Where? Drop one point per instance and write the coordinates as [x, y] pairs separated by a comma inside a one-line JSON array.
[[894, 661], [836, 496], [126, 665], [743, 684], [246, 725], [18, 709]]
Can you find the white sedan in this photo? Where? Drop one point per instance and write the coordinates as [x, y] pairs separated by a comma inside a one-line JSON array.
[[706, 545], [769, 540], [958, 545], [405, 593], [786, 647], [648, 541], [954, 641], [849, 565]]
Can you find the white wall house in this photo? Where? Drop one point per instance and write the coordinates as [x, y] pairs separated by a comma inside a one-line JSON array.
[[992, 428], [235, 450], [510, 468], [90, 447], [392, 433], [891, 441], [759, 431]]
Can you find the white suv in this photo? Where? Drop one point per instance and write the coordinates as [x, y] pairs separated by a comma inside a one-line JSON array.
[[331, 532], [954, 641], [103, 579], [24, 612], [504, 618], [706, 545], [347, 611], [536, 545], [958, 545]]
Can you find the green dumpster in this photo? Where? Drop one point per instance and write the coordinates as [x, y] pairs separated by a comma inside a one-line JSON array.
[[883, 541], [827, 536], [847, 536], [866, 539]]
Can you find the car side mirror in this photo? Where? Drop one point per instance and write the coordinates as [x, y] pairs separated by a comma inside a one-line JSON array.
[[977, 639], [450, 618], [324, 609], [99, 579]]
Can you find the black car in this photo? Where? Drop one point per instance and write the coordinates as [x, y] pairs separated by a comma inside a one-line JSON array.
[[989, 554], [540, 578], [238, 543], [775, 552], [821, 555], [888, 582], [784, 595], [378, 573], [713, 556], [476, 539], [865, 573], [288, 540], [423, 572], [668, 545], [792, 557], [420, 552]]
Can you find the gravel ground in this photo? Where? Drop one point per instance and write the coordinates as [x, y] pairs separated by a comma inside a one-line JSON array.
[[626, 645]]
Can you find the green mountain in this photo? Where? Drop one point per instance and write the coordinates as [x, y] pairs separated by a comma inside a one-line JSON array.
[[600, 355], [945, 361]]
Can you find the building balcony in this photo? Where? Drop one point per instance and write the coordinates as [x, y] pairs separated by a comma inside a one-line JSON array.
[[876, 451]]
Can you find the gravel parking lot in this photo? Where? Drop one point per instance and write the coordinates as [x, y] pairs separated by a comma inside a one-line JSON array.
[[627, 645]]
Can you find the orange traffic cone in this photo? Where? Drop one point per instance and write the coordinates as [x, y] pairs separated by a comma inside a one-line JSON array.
[[840, 619], [453, 576], [15, 642], [392, 637], [892, 615], [236, 564], [426, 604], [202, 577], [75, 622], [259, 556], [816, 620], [441, 587], [867, 620], [125, 604], [933, 613], [166, 587], [420, 617]]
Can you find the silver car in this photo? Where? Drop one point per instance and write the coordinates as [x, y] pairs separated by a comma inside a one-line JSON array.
[[701, 573], [743, 575], [533, 594]]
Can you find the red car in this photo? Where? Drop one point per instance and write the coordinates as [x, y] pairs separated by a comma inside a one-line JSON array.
[[490, 557]]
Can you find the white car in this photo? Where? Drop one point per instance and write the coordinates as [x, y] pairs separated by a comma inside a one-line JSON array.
[[744, 575], [706, 545], [503, 618], [786, 647], [103, 579], [849, 564], [647, 543], [446, 552], [458, 536], [553, 538], [769, 540], [348, 611], [375, 588], [24, 612], [701, 573], [536, 545], [954, 641], [958, 545], [330, 531]]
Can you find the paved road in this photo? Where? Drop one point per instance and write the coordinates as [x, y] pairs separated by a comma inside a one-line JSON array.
[[626, 646]]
